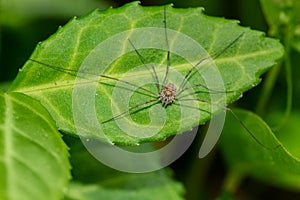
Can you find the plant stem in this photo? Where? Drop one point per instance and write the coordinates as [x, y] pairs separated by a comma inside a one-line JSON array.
[[232, 181], [289, 84], [198, 170], [267, 90], [269, 84]]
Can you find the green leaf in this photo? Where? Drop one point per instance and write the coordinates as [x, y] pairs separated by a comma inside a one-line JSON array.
[[288, 134], [93, 180], [138, 187], [99, 44], [33, 158], [245, 157]]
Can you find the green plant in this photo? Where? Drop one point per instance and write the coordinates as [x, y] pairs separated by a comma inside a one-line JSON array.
[[59, 87]]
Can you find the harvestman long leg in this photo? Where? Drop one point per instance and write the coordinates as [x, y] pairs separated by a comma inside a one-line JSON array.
[[236, 117], [143, 60], [156, 96], [130, 109], [203, 86], [75, 73], [213, 56], [156, 100], [182, 88], [188, 75], [168, 46]]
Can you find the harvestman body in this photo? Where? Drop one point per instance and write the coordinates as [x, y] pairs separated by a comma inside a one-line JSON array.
[[167, 93]]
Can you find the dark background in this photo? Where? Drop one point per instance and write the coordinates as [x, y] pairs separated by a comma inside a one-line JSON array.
[[18, 40]]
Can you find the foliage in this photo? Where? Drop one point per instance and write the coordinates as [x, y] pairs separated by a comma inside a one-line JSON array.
[[246, 59], [33, 155], [53, 92]]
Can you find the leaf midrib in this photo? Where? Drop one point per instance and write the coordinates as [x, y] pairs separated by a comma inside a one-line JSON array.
[[236, 59]]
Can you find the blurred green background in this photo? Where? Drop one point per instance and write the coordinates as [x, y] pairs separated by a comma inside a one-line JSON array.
[[26, 22]]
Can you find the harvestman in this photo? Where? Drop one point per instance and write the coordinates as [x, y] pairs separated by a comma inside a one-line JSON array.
[[167, 93]]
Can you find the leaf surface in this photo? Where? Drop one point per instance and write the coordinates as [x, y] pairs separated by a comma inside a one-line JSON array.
[[33, 158], [110, 42], [278, 166], [163, 189], [94, 180]]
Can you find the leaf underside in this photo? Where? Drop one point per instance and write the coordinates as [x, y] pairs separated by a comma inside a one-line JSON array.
[[99, 43], [94, 180], [279, 166], [34, 159], [163, 189]]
